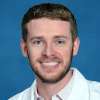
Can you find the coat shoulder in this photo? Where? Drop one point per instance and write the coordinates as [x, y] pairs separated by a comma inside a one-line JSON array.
[[95, 86], [22, 95], [94, 90], [27, 94]]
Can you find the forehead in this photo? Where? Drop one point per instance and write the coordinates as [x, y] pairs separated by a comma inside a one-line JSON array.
[[48, 26]]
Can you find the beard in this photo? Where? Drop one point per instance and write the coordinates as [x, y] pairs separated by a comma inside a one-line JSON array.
[[52, 80]]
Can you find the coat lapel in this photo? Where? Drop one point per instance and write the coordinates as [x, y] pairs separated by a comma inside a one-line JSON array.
[[80, 89]]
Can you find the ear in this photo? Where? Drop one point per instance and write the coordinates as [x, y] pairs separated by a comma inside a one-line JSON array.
[[24, 49], [76, 45]]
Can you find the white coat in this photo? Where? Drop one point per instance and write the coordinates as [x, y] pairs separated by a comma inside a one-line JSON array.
[[82, 90]]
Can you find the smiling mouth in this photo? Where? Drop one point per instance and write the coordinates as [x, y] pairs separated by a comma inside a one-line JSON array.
[[50, 64]]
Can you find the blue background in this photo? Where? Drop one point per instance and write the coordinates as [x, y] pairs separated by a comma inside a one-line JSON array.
[[15, 73]]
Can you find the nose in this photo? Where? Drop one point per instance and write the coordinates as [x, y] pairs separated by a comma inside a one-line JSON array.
[[48, 50]]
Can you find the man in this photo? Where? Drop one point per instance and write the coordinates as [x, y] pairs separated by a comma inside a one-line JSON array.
[[49, 41]]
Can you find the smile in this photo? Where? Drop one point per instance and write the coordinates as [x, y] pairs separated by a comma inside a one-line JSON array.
[[50, 64]]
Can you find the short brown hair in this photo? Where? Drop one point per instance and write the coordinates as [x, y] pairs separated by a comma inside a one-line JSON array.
[[51, 11]]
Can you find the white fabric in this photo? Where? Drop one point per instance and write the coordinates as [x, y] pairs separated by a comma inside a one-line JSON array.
[[82, 89], [64, 93]]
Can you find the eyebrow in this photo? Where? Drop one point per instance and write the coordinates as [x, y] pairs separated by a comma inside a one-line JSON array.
[[36, 37], [41, 38], [56, 37]]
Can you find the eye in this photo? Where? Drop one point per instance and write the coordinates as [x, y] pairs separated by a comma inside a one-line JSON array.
[[37, 42], [60, 41]]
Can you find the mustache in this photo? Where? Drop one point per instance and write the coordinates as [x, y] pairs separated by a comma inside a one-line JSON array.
[[49, 59]]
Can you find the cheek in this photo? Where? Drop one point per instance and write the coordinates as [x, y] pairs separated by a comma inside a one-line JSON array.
[[34, 53], [65, 53]]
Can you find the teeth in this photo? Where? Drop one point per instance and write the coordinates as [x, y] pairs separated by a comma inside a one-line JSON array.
[[50, 63]]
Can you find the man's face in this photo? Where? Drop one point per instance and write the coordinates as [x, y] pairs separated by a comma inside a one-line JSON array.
[[49, 48]]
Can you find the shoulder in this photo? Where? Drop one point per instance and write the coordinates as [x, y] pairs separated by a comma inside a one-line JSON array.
[[93, 85], [27, 94], [94, 88], [21, 96]]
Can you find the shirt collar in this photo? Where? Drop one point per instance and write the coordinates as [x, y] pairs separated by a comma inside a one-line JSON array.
[[61, 95], [36, 95], [66, 91], [75, 89]]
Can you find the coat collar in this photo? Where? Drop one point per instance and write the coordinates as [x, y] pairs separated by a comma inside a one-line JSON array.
[[80, 89]]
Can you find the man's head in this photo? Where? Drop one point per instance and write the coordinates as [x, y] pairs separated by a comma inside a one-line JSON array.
[[49, 40], [50, 11]]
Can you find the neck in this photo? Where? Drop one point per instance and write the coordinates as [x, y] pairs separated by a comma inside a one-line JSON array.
[[47, 90]]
